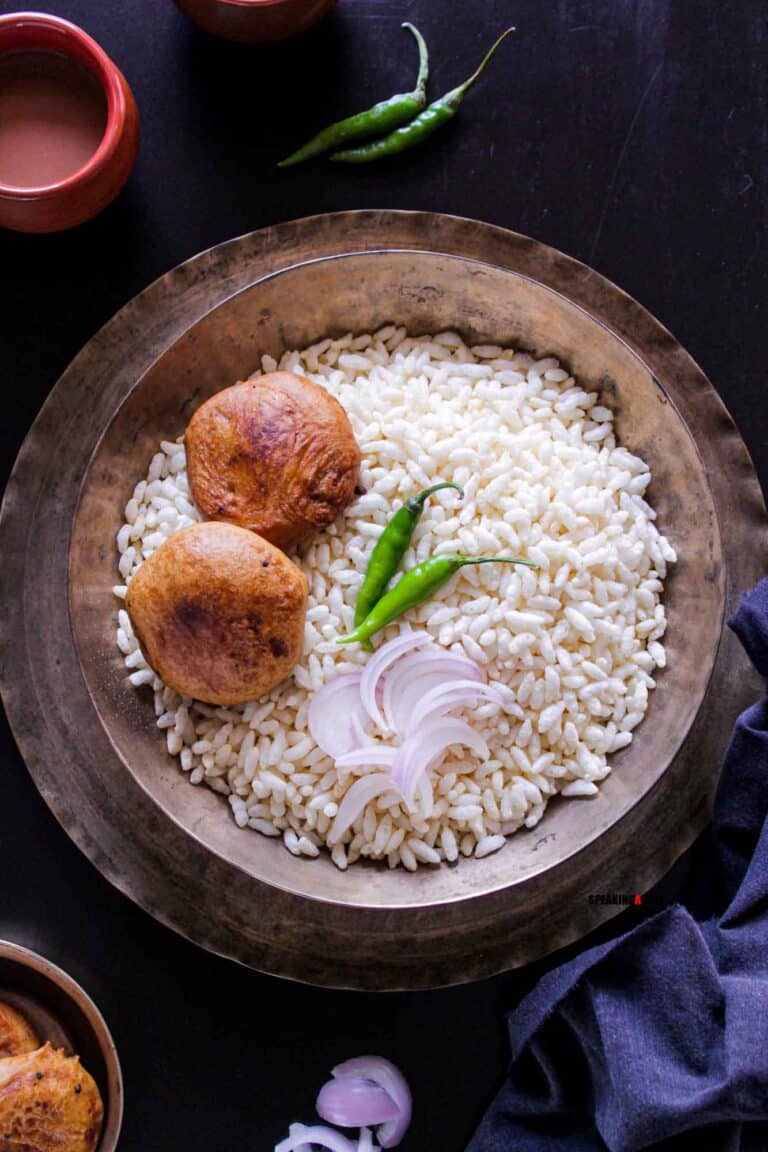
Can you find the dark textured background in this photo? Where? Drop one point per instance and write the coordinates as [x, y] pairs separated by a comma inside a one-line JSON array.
[[629, 133]]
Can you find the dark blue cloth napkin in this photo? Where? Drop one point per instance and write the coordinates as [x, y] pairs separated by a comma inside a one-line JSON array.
[[659, 1038]]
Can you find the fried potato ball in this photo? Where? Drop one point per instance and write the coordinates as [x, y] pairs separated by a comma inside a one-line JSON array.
[[219, 613], [276, 454]]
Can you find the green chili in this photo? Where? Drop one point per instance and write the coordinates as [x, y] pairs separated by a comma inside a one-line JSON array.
[[382, 117], [427, 122], [390, 549], [417, 585]]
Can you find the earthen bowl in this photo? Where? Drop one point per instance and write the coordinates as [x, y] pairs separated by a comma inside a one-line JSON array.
[[255, 21], [60, 1011], [79, 197]]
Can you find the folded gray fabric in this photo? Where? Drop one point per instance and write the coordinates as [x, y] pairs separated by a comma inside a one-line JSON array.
[[659, 1038]]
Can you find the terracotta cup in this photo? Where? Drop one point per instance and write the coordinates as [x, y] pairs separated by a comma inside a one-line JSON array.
[[255, 21], [84, 193]]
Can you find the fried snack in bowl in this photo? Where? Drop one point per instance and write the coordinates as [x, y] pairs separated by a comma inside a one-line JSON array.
[[275, 454], [219, 613], [48, 1103]]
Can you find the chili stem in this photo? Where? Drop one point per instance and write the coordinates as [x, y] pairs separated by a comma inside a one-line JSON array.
[[494, 560], [423, 74], [464, 88], [417, 502], [382, 118]]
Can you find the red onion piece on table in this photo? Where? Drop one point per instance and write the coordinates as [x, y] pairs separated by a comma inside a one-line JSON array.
[[378, 665], [336, 715], [302, 1138], [425, 748], [297, 1130], [391, 1079], [352, 1102], [355, 799]]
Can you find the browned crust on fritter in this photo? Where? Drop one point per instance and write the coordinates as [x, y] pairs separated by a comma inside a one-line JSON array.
[[48, 1103], [219, 613], [276, 454], [16, 1034]]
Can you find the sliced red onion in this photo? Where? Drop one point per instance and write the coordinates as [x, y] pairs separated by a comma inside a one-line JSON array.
[[361, 737], [372, 756], [355, 799], [365, 1143], [451, 701], [336, 715], [401, 693], [316, 1134], [391, 1079], [415, 674], [425, 748], [377, 666], [297, 1130], [352, 1102], [426, 796], [451, 695]]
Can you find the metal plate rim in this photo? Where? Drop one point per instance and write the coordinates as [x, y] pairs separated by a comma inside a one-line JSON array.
[[456, 230]]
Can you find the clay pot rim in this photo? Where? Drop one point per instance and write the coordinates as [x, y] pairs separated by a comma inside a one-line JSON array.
[[253, 3], [105, 71]]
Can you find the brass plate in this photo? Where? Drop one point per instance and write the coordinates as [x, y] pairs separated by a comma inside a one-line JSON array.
[[89, 738]]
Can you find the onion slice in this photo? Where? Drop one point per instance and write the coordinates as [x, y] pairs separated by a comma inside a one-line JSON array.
[[450, 695], [415, 690], [374, 756], [415, 674], [425, 748], [316, 1134], [360, 735], [355, 799], [336, 715], [426, 795], [391, 1079], [297, 1130], [353, 1102], [378, 665]]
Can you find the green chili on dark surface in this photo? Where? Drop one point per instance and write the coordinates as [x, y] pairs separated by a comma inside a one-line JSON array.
[[390, 549], [381, 118], [417, 585], [420, 128]]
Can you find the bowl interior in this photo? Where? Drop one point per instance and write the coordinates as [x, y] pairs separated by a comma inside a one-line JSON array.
[[426, 292], [60, 1012], [42, 34]]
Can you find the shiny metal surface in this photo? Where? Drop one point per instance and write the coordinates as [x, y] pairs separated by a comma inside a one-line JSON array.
[[98, 758]]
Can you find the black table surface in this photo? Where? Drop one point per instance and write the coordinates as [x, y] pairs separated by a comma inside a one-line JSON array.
[[632, 136]]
